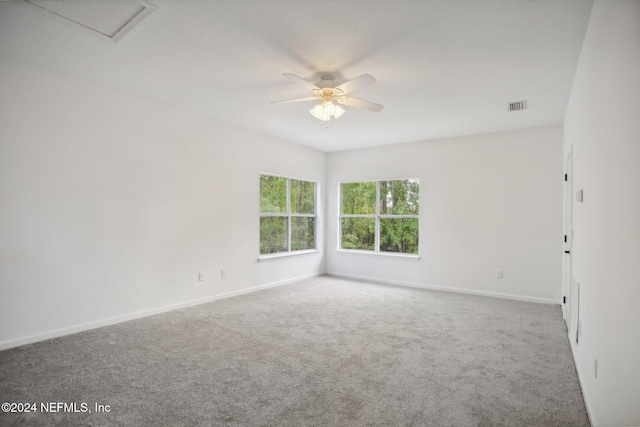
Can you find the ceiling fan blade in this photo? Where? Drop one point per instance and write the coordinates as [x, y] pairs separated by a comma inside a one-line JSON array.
[[359, 103], [308, 98], [357, 83], [298, 79]]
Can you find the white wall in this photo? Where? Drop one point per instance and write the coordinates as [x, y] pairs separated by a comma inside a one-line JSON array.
[[487, 202], [603, 126], [112, 204]]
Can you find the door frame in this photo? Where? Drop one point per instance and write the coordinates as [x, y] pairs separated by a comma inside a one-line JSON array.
[[567, 285]]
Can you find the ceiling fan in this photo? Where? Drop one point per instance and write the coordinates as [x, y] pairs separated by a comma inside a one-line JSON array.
[[330, 95]]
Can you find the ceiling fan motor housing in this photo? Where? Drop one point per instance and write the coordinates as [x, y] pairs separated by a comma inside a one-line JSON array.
[[326, 81]]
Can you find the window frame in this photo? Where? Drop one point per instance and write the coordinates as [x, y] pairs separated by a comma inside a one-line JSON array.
[[376, 216], [289, 215]]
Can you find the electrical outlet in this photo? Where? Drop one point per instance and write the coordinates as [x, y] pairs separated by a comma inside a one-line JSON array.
[[499, 274], [200, 277], [223, 273]]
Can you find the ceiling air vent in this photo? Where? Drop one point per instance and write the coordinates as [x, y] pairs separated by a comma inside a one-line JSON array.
[[517, 106]]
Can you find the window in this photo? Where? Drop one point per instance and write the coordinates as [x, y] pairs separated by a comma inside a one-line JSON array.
[[287, 214], [380, 216]]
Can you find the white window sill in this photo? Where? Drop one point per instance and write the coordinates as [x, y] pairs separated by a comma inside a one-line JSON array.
[[411, 257], [269, 257]]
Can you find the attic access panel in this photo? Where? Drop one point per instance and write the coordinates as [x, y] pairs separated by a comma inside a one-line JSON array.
[[111, 19]]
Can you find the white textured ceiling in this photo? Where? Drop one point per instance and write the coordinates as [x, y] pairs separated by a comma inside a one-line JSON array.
[[444, 67]]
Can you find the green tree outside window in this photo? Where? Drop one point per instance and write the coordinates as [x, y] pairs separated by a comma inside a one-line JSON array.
[[380, 216], [287, 214]]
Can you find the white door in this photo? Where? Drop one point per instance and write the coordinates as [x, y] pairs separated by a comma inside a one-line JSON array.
[[568, 238]]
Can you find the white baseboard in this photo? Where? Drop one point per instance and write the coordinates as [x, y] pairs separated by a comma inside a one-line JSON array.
[[4, 345], [445, 288], [585, 397]]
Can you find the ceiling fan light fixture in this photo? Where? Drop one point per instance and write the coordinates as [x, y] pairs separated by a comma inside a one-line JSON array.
[[325, 110], [329, 108], [318, 113], [329, 95]]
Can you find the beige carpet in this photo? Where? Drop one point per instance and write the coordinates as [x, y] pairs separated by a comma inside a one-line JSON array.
[[324, 351]]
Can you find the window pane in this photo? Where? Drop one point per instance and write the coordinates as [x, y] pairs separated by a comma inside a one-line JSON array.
[[399, 197], [273, 234], [303, 233], [399, 235], [303, 197], [359, 198], [358, 233], [273, 194]]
